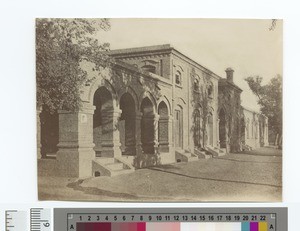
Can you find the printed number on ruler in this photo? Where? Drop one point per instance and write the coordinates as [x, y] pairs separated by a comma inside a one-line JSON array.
[[40, 219]]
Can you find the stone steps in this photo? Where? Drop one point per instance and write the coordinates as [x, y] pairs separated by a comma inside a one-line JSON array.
[[203, 154], [215, 152], [105, 166], [115, 166], [185, 156]]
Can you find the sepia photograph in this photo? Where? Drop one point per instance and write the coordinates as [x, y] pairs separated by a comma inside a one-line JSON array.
[[159, 110]]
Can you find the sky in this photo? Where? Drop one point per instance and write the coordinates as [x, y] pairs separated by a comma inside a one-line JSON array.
[[247, 46]]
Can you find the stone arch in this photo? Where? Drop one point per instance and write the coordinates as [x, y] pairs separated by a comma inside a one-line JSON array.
[[103, 124], [210, 126], [132, 92], [180, 101], [148, 95], [178, 126], [167, 102], [210, 89], [163, 126], [148, 126], [102, 83], [163, 110], [197, 127], [222, 128], [179, 68], [127, 123]]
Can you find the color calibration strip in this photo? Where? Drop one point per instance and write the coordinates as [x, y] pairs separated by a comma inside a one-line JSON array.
[[171, 226]]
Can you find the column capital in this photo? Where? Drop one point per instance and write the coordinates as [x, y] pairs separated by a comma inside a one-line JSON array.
[[87, 110]]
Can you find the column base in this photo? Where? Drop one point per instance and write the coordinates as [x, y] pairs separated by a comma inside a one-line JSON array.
[[111, 150], [164, 147], [75, 162]]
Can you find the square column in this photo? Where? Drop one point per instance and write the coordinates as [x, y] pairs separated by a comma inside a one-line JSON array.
[[150, 133], [75, 147], [218, 134], [165, 133], [138, 142], [155, 139], [110, 140]]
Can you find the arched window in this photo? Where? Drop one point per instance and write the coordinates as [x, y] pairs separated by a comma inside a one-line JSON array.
[[149, 68], [197, 128], [178, 79], [196, 85], [210, 90]]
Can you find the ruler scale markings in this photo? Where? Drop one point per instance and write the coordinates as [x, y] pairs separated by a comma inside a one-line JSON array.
[[15, 220], [40, 219]]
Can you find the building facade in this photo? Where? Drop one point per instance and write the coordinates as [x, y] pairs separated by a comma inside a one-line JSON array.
[[153, 106]]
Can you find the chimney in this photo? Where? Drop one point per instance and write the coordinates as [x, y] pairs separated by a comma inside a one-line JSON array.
[[229, 74]]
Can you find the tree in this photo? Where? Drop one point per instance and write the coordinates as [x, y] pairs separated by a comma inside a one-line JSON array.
[[61, 46], [270, 100]]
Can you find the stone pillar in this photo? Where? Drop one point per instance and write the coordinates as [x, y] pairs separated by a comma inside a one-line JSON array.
[[155, 138], [150, 133], [170, 135], [218, 135], [138, 141], [164, 135], [38, 132], [75, 147], [110, 140]]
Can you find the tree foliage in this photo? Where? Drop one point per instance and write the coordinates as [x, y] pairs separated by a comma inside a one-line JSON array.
[[61, 46], [269, 98]]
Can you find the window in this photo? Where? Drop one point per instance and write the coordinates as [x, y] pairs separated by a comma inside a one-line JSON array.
[[149, 68], [210, 91], [178, 78], [196, 85]]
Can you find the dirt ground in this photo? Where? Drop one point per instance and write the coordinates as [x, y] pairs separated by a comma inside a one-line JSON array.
[[248, 176]]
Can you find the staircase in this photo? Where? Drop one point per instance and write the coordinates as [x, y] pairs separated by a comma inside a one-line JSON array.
[[203, 154], [108, 166], [185, 156], [215, 152], [246, 147]]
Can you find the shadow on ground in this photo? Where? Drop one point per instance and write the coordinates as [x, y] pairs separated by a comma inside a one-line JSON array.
[[96, 191], [213, 179]]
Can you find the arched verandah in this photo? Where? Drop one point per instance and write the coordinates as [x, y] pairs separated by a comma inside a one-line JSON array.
[[197, 129], [127, 124], [103, 124], [222, 129], [148, 127], [210, 129]]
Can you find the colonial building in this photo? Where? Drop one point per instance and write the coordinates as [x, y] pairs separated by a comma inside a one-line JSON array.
[[256, 129], [153, 106]]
